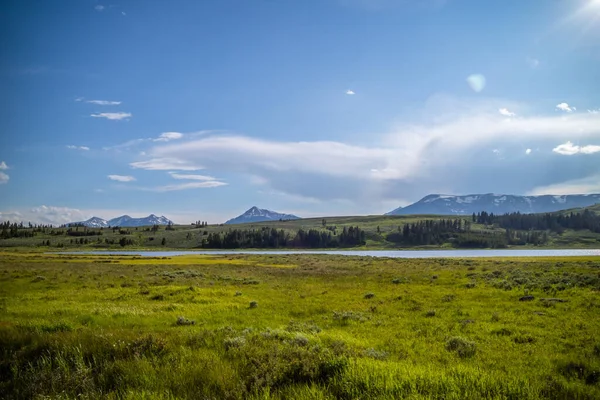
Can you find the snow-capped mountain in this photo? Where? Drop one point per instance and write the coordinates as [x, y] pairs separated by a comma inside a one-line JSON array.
[[256, 214], [496, 203], [127, 221], [123, 221], [93, 222]]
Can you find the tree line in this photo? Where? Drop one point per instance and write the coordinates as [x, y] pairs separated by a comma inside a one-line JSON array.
[[272, 238], [552, 222]]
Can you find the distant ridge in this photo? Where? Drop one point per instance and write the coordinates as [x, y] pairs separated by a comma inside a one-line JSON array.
[[255, 214], [123, 221], [497, 203]]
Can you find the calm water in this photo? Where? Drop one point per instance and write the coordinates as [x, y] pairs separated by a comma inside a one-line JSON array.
[[368, 253]]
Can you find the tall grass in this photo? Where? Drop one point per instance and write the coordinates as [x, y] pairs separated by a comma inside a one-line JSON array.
[[124, 329]]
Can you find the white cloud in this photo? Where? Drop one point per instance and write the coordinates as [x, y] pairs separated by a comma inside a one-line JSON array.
[[46, 215], [123, 13], [189, 185], [192, 177], [506, 113], [165, 164], [398, 155], [121, 178], [594, 111], [112, 116], [3, 166], [84, 148], [411, 156], [533, 62], [104, 102], [569, 149], [350, 92], [99, 7], [4, 178], [528, 151], [476, 82], [496, 151], [168, 136], [587, 185], [565, 107]]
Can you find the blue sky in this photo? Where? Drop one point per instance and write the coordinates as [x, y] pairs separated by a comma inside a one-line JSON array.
[[201, 109]]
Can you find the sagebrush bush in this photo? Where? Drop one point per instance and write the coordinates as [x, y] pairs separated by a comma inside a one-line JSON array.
[[462, 347]]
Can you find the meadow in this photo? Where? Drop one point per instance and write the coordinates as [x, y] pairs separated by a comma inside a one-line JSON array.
[[298, 327], [377, 229]]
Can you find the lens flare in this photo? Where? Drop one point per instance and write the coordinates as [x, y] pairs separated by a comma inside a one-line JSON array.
[[476, 82]]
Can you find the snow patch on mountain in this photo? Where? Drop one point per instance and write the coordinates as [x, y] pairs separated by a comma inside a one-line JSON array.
[[123, 221]]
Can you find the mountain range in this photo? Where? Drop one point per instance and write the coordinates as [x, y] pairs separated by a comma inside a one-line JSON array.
[[497, 203], [123, 221], [256, 214]]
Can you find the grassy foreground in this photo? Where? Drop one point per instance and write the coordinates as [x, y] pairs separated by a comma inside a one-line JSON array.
[[301, 326]]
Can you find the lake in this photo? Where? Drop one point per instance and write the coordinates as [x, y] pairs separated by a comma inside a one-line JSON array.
[[365, 253]]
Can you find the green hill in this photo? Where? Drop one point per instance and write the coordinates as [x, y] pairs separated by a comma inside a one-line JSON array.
[[374, 232]]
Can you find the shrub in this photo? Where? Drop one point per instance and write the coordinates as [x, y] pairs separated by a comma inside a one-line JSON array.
[[253, 304], [157, 297], [462, 347], [430, 313], [523, 339], [238, 294], [38, 278], [369, 295], [502, 332], [470, 285], [185, 321]]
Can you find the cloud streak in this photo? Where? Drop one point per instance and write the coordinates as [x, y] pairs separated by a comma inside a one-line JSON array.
[[168, 136], [121, 178], [83, 148], [166, 164], [587, 185], [104, 102], [187, 186], [112, 116]]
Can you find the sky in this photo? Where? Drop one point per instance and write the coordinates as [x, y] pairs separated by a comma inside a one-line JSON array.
[[198, 110]]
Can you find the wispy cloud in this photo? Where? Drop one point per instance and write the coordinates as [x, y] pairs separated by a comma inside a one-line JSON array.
[[112, 116], [168, 136], [528, 151], [587, 185], [350, 92], [104, 102], [4, 178], [121, 178], [166, 164], [99, 7], [506, 112], [83, 148], [189, 185], [192, 177], [565, 107], [569, 149], [407, 156]]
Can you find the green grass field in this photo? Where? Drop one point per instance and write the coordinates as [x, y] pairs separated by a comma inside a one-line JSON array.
[[301, 326]]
